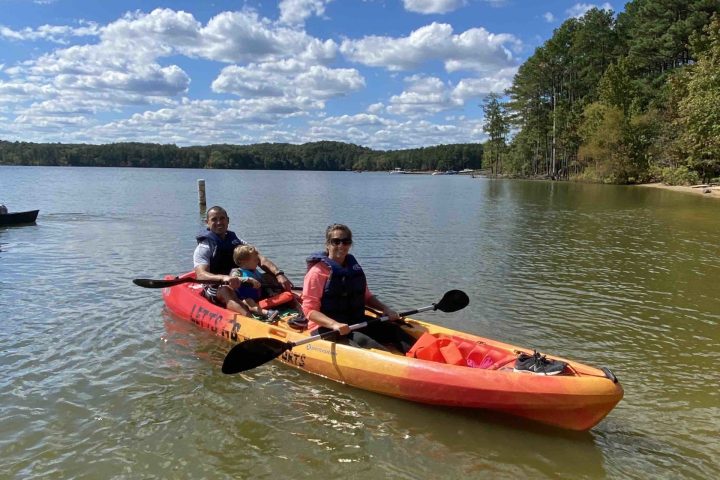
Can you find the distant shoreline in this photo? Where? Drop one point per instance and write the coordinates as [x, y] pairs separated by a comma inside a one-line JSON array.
[[695, 190]]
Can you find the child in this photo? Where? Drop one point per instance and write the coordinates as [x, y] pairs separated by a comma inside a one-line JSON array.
[[247, 259]]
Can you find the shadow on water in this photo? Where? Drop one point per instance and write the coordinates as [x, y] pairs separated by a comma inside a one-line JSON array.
[[423, 439], [481, 440]]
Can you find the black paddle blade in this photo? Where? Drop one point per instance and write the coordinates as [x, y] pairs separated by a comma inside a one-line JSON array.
[[253, 353], [453, 301], [148, 283]]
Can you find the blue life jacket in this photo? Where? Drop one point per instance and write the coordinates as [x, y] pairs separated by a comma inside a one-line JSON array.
[[221, 261], [343, 299], [247, 291]]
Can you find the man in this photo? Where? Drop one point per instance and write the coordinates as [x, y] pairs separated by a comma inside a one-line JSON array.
[[213, 260]]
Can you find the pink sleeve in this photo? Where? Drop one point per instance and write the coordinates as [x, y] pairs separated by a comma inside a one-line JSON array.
[[313, 287]]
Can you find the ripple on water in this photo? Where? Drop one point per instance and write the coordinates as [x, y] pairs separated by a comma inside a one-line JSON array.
[[99, 378]]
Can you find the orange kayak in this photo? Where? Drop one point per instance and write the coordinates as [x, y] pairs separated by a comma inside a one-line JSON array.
[[577, 398]]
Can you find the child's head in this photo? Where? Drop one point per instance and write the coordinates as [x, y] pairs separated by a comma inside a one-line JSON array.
[[246, 256]]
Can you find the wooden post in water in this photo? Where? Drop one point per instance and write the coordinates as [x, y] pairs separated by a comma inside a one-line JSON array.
[[201, 195]]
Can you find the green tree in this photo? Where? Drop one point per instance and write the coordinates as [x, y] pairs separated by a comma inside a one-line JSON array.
[[616, 87], [698, 120], [496, 125]]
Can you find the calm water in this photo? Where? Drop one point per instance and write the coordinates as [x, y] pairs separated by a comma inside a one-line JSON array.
[[98, 381]]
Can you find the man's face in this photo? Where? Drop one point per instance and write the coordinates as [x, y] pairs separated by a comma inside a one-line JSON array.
[[218, 222]]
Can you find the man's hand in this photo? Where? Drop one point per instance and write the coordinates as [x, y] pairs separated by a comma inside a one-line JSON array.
[[284, 282], [232, 282]]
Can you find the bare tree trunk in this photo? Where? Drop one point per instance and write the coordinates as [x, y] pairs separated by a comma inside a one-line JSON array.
[[553, 145]]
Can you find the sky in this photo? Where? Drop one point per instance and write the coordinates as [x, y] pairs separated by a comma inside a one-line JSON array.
[[384, 74]]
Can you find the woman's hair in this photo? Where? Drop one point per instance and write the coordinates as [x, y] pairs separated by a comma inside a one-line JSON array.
[[337, 226], [243, 252]]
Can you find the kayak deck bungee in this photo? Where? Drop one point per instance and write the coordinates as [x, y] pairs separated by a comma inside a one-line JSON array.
[[576, 399]]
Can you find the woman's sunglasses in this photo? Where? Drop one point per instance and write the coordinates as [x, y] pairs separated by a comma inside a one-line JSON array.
[[338, 241]]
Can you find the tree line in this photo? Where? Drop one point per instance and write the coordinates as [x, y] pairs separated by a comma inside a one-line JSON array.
[[617, 99], [274, 156]]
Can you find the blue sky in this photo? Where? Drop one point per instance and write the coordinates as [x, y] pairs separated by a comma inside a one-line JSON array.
[[386, 74]]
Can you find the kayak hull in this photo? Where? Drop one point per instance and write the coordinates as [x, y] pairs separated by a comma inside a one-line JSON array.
[[577, 400]]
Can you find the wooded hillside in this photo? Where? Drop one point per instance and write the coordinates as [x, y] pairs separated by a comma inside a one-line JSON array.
[[619, 99], [276, 156]]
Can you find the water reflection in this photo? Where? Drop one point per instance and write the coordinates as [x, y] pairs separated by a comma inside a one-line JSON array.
[[96, 377], [327, 425]]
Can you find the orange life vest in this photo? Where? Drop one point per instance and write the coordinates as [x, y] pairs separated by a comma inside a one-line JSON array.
[[276, 300]]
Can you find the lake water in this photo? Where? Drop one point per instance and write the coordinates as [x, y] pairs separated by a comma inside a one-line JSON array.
[[99, 381]]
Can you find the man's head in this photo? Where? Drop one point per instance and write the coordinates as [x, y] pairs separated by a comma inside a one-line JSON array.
[[217, 220]]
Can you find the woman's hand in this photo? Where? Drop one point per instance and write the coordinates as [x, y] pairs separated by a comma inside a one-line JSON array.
[[391, 314], [341, 328]]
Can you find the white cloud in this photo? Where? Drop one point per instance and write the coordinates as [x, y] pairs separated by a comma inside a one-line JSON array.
[[433, 6], [424, 95], [279, 74], [387, 134], [580, 9], [52, 33], [474, 88], [322, 82], [357, 120], [375, 108], [429, 95], [16, 92], [392, 135], [243, 36], [549, 17], [295, 12], [208, 121], [124, 66], [475, 49], [288, 78]]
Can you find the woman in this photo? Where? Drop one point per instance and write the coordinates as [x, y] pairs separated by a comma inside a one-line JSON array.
[[335, 293]]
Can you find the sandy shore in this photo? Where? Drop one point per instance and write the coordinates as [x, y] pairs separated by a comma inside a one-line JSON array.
[[696, 190]]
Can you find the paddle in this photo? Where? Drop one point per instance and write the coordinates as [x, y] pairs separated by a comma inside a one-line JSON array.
[[148, 283], [257, 351]]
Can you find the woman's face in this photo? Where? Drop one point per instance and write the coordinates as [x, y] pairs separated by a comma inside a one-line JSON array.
[[339, 244]]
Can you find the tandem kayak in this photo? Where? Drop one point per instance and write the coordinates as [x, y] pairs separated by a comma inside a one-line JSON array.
[[484, 376], [18, 218]]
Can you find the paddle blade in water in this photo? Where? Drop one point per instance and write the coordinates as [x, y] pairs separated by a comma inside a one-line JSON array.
[[453, 301], [253, 353]]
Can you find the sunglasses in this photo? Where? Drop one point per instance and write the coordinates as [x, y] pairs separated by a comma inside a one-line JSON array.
[[338, 241]]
